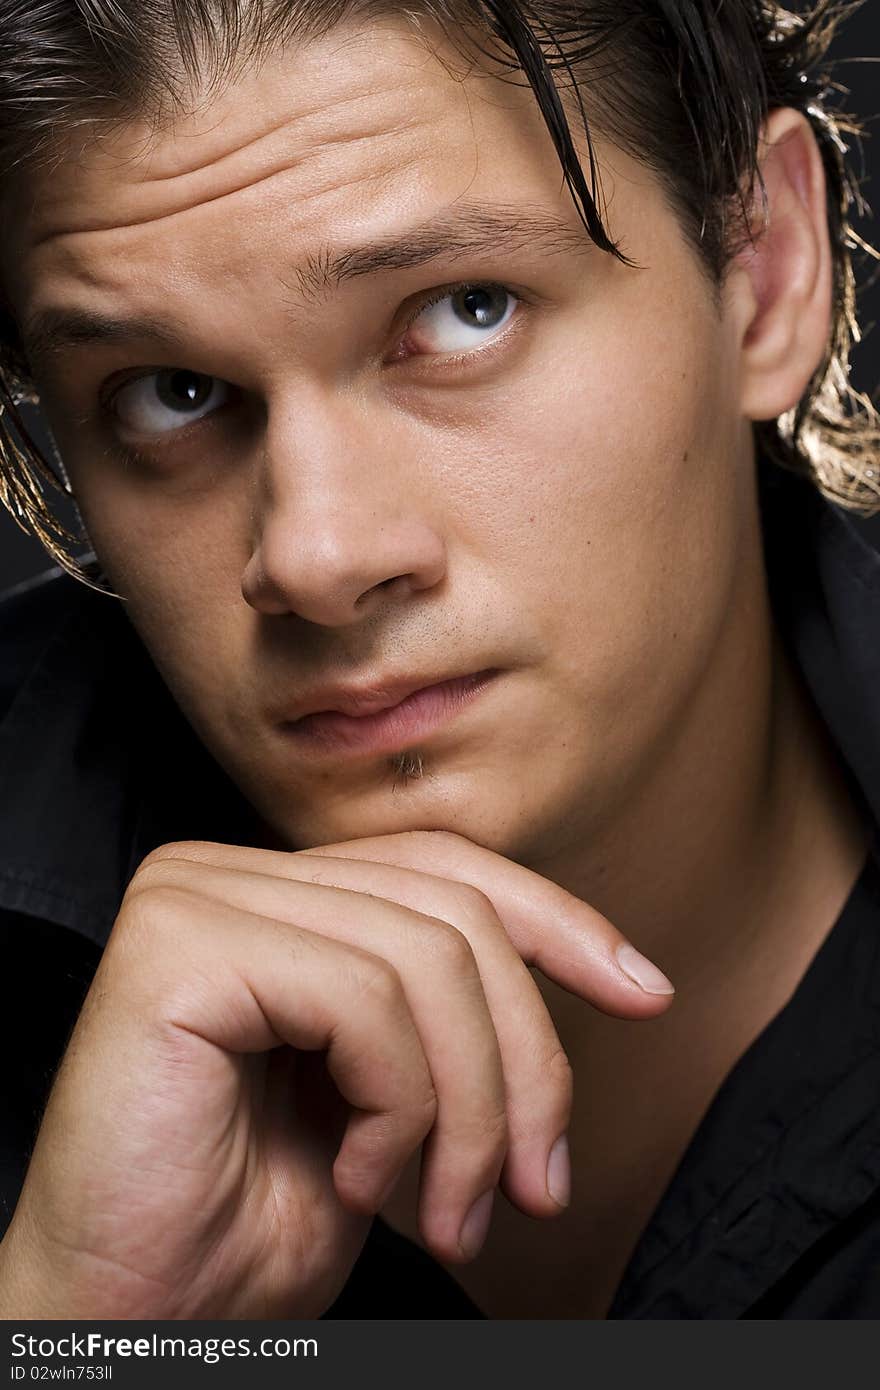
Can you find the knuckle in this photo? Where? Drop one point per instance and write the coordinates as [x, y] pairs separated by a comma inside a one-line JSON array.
[[377, 982], [423, 1111], [166, 867], [151, 911], [450, 948], [493, 1134], [146, 935], [561, 1075], [472, 905], [175, 850], [549, 1098], [486, 1131], [153, 873]]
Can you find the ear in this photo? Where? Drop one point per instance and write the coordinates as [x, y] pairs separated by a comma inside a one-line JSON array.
[[782, 283]]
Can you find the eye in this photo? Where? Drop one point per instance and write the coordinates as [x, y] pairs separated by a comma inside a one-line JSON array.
[[163, 401], [461, 318]]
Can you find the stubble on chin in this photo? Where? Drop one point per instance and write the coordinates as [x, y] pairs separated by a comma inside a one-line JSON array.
[[407, 766]]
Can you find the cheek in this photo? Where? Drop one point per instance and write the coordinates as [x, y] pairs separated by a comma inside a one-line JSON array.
[[624, 497], [179, 569]]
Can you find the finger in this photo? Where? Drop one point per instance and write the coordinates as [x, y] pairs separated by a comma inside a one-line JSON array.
[[240, 982], [566, 940], [536, 1073], [441, 983], [535, 1070], [551, 929]]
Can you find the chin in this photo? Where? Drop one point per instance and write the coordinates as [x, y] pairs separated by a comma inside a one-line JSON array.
[[410, 790]]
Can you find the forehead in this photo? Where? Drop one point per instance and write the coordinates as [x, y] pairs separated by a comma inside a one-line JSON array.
[[344, 140], [376, 87]]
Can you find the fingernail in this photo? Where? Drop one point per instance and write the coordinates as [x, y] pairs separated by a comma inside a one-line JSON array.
[[559, 1172], [643, 971], [476, 1225]]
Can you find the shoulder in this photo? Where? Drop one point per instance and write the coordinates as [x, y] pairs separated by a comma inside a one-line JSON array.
[[30, 611], [33, 615]]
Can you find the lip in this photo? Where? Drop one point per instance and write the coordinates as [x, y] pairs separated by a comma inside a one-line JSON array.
[[391, 726], [367, 699]]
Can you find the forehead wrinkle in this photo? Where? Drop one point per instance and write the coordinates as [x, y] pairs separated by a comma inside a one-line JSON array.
[[392, 145], [262, 178], [288, 122]]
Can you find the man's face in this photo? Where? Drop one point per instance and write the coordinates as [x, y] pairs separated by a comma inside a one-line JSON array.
[[350, 484]]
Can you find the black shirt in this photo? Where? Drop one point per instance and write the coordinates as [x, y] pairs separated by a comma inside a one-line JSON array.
[[774, 1209]]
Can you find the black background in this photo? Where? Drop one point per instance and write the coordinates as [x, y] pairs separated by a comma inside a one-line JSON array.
[[21, 557]]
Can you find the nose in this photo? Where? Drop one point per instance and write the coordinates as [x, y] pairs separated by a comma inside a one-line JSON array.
[[340, 519]]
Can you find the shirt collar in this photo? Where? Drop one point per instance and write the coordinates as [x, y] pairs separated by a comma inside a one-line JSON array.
[[788, 1148], [98, 765]]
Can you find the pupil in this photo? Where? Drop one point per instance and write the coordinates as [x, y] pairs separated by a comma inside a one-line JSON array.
[[187, 389], [486, 306]]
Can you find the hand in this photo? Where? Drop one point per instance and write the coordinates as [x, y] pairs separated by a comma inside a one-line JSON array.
[[268, 1039]]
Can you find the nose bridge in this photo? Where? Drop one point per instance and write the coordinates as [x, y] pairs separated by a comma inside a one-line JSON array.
[[338, 511], [329, 468]]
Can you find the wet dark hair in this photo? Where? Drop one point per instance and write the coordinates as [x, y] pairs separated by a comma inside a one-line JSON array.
[[682, 85]]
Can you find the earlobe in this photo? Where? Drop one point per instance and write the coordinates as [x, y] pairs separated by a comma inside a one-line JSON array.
[[787, 272]]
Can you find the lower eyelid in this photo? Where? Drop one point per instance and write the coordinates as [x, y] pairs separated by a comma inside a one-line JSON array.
[[145, 445]]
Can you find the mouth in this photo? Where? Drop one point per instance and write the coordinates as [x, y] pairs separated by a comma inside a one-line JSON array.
[[388, 730]]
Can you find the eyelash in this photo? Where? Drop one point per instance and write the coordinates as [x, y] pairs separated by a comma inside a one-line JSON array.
[[131, 456]]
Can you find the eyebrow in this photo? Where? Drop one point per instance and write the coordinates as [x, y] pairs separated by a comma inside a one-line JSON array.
[[467, 230]]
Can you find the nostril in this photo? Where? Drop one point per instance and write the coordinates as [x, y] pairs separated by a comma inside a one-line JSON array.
[[383, 584]]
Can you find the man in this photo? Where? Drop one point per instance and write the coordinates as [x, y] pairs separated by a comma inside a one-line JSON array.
[[479, 670]]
